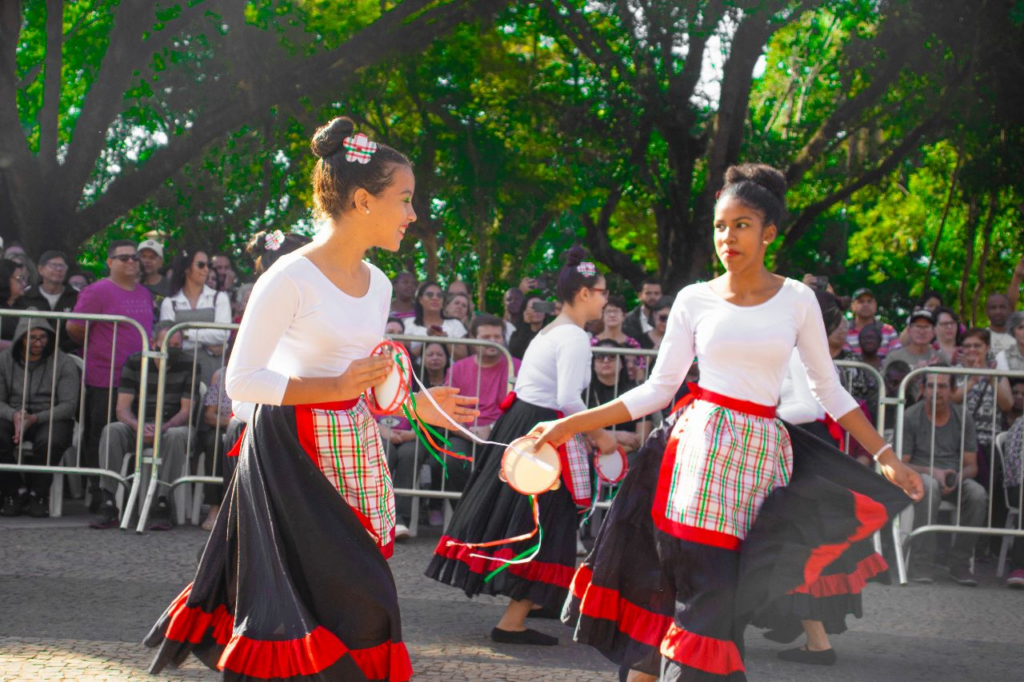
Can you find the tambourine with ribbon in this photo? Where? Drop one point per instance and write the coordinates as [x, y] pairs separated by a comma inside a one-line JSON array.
[[388, 396], [530, 473]]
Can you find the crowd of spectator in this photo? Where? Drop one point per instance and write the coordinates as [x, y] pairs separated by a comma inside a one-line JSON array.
[[145, 284]]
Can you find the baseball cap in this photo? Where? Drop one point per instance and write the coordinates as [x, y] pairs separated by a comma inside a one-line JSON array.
[[863, 291], [152, 245], [921, 314]]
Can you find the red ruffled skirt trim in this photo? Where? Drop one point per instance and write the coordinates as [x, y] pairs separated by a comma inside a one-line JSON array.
[[266, 659], [846, 583], [605, 603], [715, 656], [534, 571], [871, 516]]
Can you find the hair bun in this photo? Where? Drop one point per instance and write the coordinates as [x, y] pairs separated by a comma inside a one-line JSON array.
[[257, 244], [762, 174], [328, 138], [574, 256]]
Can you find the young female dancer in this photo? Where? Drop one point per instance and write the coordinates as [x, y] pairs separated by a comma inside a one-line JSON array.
[[721, 551], [554, 374], [294, 582]]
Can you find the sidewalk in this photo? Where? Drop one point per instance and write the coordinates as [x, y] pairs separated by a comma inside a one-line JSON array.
[[74, 603]]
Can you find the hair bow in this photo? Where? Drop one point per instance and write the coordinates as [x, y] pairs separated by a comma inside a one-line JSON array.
[[586, 269], [359, 148], [273, 241]]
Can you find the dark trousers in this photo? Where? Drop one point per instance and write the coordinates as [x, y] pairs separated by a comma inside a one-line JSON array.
[[97, 415], [1017, 551], [40, 437]]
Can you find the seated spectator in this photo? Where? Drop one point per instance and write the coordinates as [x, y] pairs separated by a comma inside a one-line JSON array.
[[429, 320], [13, 283], [865, 311], [918, 352], [997, 309], [893, 375], [192, 300], [534, 319], [1012, 358], [459, 287], [395, 326], [406, 454], [948, 335], [43, 415], [118, 438], [222, 272], [930, 300], [457, 306], [612, 317], [52, 294], [638, 321], [659, 316], [403, 302], [870, 339], [1013, 478], [221, 429], [947, 476], [608, 381], [16, 253], [860, 383], [1015, 413]]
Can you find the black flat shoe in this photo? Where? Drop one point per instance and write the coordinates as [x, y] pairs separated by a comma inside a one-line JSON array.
[[801, 655], [525, 637], [785, 634], [545, 612]]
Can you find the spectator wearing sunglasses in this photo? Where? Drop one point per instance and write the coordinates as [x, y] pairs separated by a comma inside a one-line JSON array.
[[659, 316], [109, 345], [12, 290], [428, 320], [193, 300]]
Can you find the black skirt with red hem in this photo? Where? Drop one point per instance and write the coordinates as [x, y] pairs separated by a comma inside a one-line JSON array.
[[624, 596], [491, 510], [290, 585]]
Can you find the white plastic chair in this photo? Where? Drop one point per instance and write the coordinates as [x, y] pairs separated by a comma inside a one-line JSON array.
[[1013, 513], [57, 486]]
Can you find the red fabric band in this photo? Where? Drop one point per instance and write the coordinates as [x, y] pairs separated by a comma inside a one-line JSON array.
[[605, 603], [715, 656]]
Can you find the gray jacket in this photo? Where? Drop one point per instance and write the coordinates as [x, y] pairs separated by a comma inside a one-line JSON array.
[[39, 386]]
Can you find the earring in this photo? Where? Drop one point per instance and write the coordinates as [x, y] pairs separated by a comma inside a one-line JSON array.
[[367, 211]]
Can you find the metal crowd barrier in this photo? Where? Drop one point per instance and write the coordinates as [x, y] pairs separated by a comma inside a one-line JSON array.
[[56, 464], [994, 457]]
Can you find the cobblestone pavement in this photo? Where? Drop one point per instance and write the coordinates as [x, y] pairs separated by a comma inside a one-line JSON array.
[[75, 603]]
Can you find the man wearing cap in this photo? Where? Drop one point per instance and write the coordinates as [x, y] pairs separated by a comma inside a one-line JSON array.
[[151, 259], [919, 351], [865, 307]]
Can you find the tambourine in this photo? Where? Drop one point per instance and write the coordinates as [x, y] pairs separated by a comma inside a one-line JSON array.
[[612, 467], [530, 473], [387, 397]]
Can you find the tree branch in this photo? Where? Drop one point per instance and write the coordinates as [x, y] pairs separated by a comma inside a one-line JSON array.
[[600, 245], [799, 226], [49, 114], [586, 39]]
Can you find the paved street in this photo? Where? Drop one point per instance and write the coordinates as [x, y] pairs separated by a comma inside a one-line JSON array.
[[74, 604]]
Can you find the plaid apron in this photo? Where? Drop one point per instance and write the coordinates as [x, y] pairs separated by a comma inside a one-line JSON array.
[[721, 462], [343, 441]]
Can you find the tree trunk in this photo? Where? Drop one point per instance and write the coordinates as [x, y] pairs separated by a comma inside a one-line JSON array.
[[979, 286], [973, 215]]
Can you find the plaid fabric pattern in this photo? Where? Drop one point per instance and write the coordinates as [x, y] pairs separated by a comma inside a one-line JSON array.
[[359, 148], [577, 457], [726, 464], [351, 455]]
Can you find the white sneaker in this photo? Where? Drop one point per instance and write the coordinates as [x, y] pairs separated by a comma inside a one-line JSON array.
[[401, 532]]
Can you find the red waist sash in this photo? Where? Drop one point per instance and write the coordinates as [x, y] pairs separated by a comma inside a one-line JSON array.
[[745, 406]]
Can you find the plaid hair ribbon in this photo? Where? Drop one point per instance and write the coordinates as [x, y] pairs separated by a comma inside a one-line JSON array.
[[359, 148], [586, 269], [273, 241]]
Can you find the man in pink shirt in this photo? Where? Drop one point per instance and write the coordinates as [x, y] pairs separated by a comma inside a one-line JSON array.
[[484, 374], [119, 294], [865, 308]]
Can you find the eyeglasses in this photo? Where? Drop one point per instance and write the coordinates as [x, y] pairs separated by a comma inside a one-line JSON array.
[[201, 264], [57, 266], [37, 339], [604, 358], [661, 318], [127, 257], [20, 280], [947, 323], [433, 294], [600, 290]]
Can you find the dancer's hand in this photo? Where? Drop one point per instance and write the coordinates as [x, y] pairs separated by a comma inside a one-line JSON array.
[[899, 473], [453, 407], [555, 432], [362, 374]]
